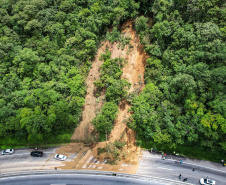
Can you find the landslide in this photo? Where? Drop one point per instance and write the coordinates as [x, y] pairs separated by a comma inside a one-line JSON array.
[[85, 144]]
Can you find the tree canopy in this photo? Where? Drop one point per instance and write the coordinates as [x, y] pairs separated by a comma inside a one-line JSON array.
[[183, 102], [46, 48]]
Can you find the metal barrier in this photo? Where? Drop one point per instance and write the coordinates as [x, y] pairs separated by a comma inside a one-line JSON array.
[[93, 172]]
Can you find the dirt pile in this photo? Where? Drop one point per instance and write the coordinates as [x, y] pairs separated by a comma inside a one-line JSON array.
[[133, 71]]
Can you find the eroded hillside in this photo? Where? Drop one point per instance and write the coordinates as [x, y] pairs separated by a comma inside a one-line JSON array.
[[133, 71]]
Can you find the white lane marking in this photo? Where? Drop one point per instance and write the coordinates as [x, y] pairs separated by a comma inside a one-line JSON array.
[[164, 168], [188, 163], [147, 167]]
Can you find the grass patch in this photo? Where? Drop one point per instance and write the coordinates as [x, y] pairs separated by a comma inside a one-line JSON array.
[[102, 137], [101, 150], [111, 161], [119, 144]]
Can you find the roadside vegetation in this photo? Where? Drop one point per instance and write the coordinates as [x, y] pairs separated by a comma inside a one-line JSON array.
[[46, 51], [183, 104]]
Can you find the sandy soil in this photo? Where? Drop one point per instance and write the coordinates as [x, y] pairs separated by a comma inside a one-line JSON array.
[[133, 71], [92, 104]]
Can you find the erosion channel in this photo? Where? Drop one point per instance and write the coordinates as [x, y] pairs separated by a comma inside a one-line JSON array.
[[88, 156]]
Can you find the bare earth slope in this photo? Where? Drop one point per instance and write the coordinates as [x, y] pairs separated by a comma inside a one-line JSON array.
[[91, 103], [133, 71]]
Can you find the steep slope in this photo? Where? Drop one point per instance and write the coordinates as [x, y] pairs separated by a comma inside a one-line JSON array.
[[133, 71], [92, 104]]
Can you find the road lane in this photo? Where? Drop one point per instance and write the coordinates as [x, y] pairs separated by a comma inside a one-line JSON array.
[[73, 179], [21, 160], [150, 165], [153, 165]]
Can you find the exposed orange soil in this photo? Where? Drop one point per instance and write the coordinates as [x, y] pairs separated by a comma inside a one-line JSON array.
[[133, 71], [92, 104]]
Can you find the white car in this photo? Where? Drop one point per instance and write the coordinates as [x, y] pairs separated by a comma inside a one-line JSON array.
[[206, 181], [60, 157], [7, 151]]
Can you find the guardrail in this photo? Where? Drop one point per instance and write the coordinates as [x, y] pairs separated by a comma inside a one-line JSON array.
[[93, 172]]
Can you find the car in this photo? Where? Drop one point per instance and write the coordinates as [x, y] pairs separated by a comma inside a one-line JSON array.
[[60, 157], [37, 153], [7, 151], [205, 181]]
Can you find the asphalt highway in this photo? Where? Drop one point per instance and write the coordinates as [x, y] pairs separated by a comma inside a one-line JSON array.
[[72, 179], [22, 161], [153, 165]]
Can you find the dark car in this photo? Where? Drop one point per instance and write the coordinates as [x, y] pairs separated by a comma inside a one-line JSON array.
[[37, 153]]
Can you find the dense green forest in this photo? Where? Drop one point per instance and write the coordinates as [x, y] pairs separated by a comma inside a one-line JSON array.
[[184, 101], [46, 50], [47, 47]]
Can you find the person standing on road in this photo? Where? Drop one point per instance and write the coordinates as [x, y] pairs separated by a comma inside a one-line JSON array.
[[180, 176], [163, 155], [222, 161]]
